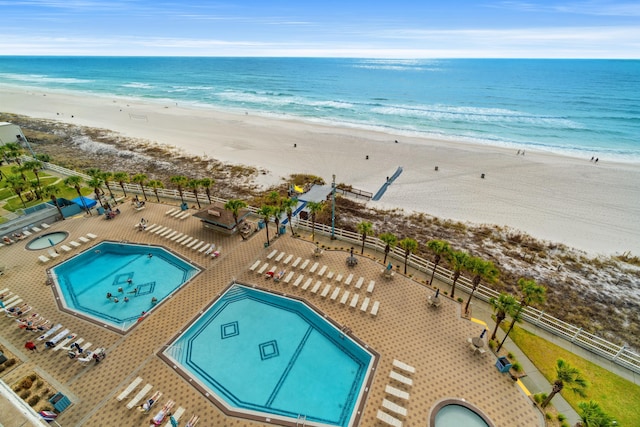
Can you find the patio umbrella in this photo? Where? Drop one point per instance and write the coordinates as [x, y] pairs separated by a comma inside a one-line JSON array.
[[51, 243], [389, 266], [484, 331], [437, 292]]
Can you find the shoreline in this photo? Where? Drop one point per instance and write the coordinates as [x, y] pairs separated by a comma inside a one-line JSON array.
[[593, 207]]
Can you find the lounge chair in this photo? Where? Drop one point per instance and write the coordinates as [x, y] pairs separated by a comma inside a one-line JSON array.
[[322, 271], [400, 378], [375, 308], [316, 287], [335, 294], [372, 284], [330, 275], [354, 301], [254, 265], [192, 421], [272, 272], [304, 264], [298, 280], [138, 397], [50, 332], [45, 225], [388, 419], [36, 229], [279, 275], [161, 230], [404, 367], [92, 236], [176, 416], [296, 262], [365, 304], [195, 247], [288, 259], [272, 254], [72, 345], [127, 391], [53, 341], [393, 407], [150, 402], [53, 253], [63, 342], [392, 391], [205, 247], [12, 302], [348, 279], [339, 278], [43, 259], [314, 267], [289, 277], [177, 236], [345, 297], [263, 268], [325, 291], [170, 211], [170, 235], [193, 242], [160, 417], [307, 283], [184, 242], [280, 256], [183, 238], [65, 248], [359, 282]]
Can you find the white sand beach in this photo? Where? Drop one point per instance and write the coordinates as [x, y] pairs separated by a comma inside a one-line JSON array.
[[594, 207]]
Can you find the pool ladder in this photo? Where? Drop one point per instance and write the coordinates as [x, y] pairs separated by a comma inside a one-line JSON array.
[[302, 420]]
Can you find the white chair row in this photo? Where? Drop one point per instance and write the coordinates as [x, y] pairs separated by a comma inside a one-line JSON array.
[[178, 213], [142, 393], [53, 253], [185, 240]]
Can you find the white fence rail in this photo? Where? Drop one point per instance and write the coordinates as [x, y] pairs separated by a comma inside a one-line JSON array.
[[616, 353]]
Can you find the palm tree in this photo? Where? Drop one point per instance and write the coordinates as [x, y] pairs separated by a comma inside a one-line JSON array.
[[194, 184], [532, 294], [34, 166], [107, 177], [314, 209], [390, 241], [288, 204], [207, 183], [12, 151], [439, 248], [179, 181], [480, 269], [74, 181], [93, 172], [95, 183], [592, 415], [21, 170], [365, 228], [234, 205], [155, 185], [458, 260], [505, 305], [410, 246], [51, 191], [266, 212], [140, 179], [569, 377], [18, 186], [121, 178]]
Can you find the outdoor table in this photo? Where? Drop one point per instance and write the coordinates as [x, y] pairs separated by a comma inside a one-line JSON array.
[[435, 301], [477, 342]]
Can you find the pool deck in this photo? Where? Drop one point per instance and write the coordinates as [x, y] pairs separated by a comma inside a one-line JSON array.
[[433, 340]]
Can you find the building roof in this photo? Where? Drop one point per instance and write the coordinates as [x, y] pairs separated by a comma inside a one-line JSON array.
[[217, 215]]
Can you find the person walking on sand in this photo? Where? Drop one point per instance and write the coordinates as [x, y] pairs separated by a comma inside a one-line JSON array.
[[30, 345]]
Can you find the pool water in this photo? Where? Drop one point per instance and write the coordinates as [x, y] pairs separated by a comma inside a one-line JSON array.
[[47, 240], [84, 281], [458, 415], [263, 353]]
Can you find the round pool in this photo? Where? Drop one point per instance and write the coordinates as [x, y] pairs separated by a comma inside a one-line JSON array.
[[457, 412], [47, 240]]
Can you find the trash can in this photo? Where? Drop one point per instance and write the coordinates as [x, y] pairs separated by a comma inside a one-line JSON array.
[[100, 210], [260, 225], [283, 229], [60, 402], [503, 364], [3, 358], [266, 245], [184, 206]]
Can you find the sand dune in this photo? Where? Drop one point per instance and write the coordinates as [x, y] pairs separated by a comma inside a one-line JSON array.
[[594, 207]]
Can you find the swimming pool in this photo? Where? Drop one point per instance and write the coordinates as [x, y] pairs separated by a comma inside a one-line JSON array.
[[83, 282], [457, 412], [269, 357], [47, 240]]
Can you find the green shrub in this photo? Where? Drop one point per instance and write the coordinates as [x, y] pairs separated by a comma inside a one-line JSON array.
[[26, 383], [39, 383], [459, 299], [548, 415], [561, 417], [511, 356], [516, 367], [33, 377], [492, 344], [10, 362], [34, 400], [565, 424], [2, 368], [25, 394]]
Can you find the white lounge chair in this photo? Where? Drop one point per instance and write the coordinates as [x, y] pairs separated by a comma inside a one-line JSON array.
[[330, 275], [185, 241], [92, 236], [280, 256], [83, 239], [272, 254], [195, 247], [183, 238], [304, 264], [190, 245], [296, 262], [335, 294], [314, 267], [74, 244], [78, 341], [322, 271], [43, 259], [50, 332], [127, 391], [263, 268], [392, 391], [66, 248], [45, 225], [400, 378], [298, 280], [176, 415], [36, 229], [354, 301], [348, 279], [177, 236], [53, 341], [388, 419], [160, 230], [64, 342], [359, 282], [339, 278], [325, 291], [289, 277], [315, 288], [254, 265], [372, 284], [365, 304], [166, 232], [170, 235], [344, 298], [287, 259], [138, 397], [393, 407], [404, 367], [307, 284], [206, 246], [375, 308]]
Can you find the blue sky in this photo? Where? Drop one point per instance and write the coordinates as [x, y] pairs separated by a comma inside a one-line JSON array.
[[374, 28]]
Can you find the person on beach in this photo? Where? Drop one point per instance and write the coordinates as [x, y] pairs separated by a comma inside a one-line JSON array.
[[30, 345]]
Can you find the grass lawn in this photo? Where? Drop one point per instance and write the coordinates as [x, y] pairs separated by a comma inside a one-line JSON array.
[[617, 396]]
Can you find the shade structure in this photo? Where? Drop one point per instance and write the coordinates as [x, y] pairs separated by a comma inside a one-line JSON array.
[[84, 201]]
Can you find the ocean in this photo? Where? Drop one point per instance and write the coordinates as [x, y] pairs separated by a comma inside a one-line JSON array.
[[580, 108]]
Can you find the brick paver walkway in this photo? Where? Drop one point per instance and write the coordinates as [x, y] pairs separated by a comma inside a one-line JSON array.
[[434, 341]]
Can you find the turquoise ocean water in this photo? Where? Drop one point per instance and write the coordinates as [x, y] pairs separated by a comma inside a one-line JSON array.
[[575, 107]]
